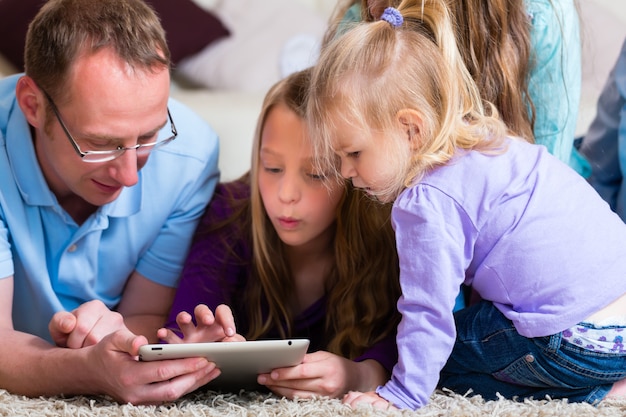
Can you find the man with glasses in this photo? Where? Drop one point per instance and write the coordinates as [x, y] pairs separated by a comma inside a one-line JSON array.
[[102, 182]]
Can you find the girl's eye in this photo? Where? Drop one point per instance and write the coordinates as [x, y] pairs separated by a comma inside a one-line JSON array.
[[317, 177], [353, 154], [271, 170]]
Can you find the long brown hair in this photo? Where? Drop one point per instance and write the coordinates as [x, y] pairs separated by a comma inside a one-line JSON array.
[[494, 41], [363, 286]]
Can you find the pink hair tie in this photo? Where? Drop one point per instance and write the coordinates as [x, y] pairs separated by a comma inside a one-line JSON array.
[[393, 16]]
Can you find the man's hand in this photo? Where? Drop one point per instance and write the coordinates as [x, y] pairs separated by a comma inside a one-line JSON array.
[[113, 364], [84, 326]]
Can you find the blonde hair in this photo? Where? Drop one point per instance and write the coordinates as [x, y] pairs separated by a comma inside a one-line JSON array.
[[366, 76], [494, 41], [363, 287]]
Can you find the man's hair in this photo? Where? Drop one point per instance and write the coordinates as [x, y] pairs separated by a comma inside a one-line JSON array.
[[63, 30]]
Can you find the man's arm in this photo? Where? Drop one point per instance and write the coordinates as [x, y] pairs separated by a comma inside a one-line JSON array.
[[31, 366], [142, 310], [145, 305]]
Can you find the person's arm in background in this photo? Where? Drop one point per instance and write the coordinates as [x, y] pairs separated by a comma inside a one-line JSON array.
[[601, 144], [555, 77]]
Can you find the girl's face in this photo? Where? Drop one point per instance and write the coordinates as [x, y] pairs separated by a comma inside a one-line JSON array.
[[368, 159], [299, 203]]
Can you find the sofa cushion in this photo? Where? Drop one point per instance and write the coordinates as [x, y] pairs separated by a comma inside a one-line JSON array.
[[17, 15], [269, 40], [189, 28]]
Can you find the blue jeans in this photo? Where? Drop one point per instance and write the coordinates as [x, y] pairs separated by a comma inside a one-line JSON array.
[[491, 357]]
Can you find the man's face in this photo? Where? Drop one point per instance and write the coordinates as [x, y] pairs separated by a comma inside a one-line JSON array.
[[107, 105]]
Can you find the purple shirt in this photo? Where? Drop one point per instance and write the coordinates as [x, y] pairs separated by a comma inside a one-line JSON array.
[[219, 266], [526, 231]]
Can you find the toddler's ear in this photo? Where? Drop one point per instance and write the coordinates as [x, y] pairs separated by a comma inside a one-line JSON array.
[[410, 121]]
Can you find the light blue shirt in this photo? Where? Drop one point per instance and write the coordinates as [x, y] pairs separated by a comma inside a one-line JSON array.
[[57, 264], [555, 77], [523, 229], [604, 145]]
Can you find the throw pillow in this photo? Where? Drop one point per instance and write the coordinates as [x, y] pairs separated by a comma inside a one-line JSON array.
[[269, 39], [17, 16], [189, 28]]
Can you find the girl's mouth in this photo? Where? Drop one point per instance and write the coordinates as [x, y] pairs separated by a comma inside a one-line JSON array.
[[288, 222]]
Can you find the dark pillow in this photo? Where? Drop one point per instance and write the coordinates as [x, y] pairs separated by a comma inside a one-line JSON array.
[[189, 28], [16, 15]]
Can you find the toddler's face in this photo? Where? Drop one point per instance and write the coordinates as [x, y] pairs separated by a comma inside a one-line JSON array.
[[368, 158]]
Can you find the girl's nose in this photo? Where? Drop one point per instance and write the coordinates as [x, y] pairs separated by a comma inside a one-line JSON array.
[[347, 169], [289, 190]]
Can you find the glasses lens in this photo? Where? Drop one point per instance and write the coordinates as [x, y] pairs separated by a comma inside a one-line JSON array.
[[102, 157], [146, 149]]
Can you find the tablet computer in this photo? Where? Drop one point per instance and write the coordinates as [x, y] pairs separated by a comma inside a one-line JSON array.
[[240, 362]]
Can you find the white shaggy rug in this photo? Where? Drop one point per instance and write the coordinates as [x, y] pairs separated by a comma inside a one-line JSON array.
[[248, 404]]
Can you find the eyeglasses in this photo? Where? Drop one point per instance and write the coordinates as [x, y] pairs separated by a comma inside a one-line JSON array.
[[109, 155]]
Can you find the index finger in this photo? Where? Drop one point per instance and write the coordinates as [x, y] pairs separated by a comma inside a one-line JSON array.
[[224, 317]]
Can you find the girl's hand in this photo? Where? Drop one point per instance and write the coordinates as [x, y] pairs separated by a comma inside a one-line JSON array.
[[324, 374], [209, 328], [355, 398]]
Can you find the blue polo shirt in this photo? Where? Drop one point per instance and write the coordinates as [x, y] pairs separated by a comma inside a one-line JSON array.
[[58, 264]]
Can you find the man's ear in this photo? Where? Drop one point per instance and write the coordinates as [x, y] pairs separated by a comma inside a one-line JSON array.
[[31, 101], [410, 121]]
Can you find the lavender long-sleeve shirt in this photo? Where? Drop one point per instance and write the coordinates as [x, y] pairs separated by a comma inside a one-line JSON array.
[[526, 231], [219, 266]]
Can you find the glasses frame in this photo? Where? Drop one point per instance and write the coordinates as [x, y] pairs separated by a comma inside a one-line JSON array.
[[106, 156]]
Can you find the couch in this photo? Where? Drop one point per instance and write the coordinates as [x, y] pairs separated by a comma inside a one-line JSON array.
[[225, 81]]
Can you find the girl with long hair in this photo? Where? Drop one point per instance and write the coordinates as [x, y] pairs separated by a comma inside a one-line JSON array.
[[294, 253]]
